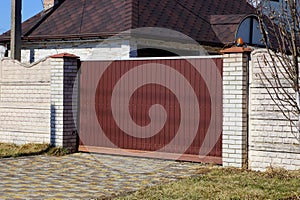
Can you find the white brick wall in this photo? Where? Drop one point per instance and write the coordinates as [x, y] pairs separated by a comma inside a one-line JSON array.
[[101, 50], [24, 102], [235, 109], [271, 142], [260, 160], [63, 117], [114, 48], [36, 102]]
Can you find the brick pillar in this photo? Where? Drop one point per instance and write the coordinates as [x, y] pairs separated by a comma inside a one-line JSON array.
[[64, 69], [235, 106]]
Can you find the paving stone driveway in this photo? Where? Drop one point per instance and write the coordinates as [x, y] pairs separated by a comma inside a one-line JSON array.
[[84, 176]]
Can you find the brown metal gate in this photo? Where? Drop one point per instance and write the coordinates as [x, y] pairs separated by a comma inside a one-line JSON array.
[[168, 108]]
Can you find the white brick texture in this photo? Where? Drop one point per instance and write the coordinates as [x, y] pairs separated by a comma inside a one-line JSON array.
[[271, 142], [24, 102], [38, 102], [63, 107], [235, 97], [94, 50]]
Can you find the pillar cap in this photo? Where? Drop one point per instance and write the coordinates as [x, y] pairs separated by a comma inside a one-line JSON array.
[[236, 50], [64, 55]]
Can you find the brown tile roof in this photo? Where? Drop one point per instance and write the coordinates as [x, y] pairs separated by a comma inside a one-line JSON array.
[[206, 21], [225, 26]]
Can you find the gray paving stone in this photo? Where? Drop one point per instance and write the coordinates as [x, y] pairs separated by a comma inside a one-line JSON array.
[[84, 176]]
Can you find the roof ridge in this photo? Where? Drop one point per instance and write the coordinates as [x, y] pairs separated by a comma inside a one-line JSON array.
[[47, 14], [82, 15], [134, 14], [192, 12]]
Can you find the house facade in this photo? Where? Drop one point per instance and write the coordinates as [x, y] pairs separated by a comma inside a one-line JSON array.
[[116, 30]]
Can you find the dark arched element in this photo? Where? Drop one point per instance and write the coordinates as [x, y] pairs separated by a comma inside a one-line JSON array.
[[249, 31]]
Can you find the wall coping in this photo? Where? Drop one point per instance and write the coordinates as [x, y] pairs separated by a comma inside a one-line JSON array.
[[236, 50], [64, 55]]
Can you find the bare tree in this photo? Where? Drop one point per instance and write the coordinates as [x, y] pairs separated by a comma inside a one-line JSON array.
[[280, 27]]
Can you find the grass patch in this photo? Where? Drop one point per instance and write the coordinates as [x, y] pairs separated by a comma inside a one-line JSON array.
[[13, 150], [227, 183], [57, 151]]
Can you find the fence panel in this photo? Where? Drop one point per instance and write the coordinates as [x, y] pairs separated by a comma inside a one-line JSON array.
[[169, 108]]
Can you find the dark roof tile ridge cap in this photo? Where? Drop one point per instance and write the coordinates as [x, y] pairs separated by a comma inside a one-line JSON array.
[[48, 12], [192, 12], [241, 16], [134, 12]]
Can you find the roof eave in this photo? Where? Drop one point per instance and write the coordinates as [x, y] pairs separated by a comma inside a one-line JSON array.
[[43, 38]]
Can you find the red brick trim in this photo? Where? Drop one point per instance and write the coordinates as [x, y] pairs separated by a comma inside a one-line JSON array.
[[64, 55], [236, 50]]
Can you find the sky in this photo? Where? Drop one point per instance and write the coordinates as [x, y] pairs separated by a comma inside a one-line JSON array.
[[29, 9]]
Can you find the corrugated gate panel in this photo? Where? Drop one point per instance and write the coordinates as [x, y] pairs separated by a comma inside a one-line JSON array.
[[168, 107]]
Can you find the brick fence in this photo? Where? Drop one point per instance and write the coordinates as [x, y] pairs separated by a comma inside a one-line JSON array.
[[271, 142], [255, 133], [24, 102], [37, 105], [36, 100]]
